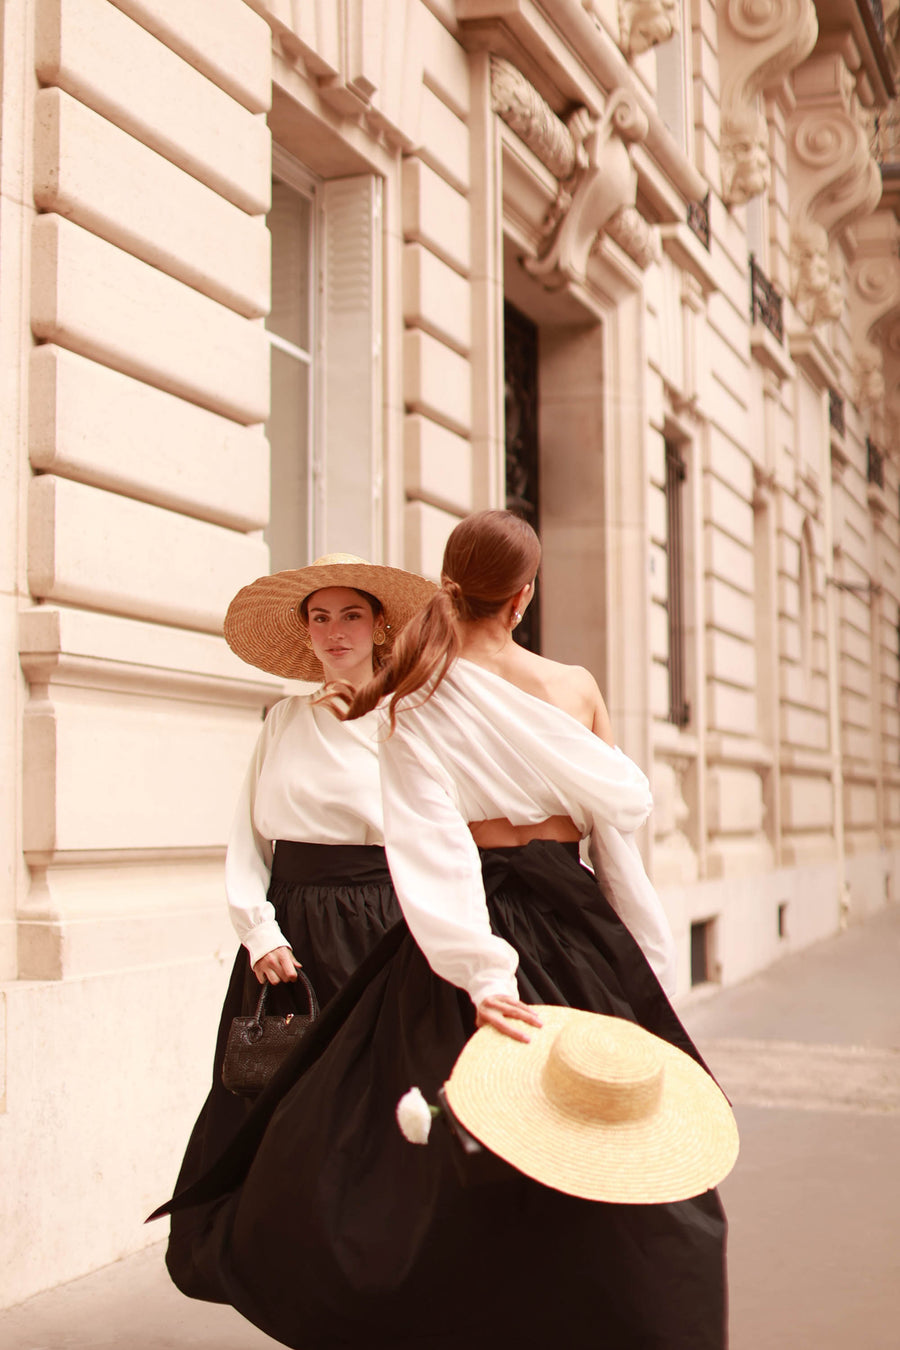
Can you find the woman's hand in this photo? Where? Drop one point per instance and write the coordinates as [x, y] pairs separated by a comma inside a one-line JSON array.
[[500, 1011], [277, 966]]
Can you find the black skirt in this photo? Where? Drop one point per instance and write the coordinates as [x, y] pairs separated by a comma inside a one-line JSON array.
[[329, 1231], [334, 903]]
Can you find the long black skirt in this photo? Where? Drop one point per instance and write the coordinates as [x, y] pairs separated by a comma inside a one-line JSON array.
[[334, 903], [325, 1228]]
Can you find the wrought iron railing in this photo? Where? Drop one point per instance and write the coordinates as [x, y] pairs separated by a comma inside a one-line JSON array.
[[876, 10], [874, 463], [836, 411], [765, 302], [698, 220], [679, 708]]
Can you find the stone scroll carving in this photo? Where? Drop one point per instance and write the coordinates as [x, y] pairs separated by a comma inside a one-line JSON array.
[[833, 180], [646, 23], [760, 42], [597, 180], [532, 119]]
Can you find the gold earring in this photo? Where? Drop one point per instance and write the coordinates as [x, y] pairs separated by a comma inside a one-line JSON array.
[[378, 637]]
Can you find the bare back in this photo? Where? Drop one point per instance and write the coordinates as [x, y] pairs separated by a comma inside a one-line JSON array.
[[571, 688]]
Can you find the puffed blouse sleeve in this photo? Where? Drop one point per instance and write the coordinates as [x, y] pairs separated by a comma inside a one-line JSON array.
[[436, 870], [248, 861]]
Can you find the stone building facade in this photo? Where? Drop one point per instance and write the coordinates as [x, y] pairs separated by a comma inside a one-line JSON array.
[[279, 277]]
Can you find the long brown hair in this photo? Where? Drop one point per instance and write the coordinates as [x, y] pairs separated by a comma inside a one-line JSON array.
[[489, 557]]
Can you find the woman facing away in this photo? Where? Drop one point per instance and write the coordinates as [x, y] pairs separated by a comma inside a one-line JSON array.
[[305, 873], [321, 1223]]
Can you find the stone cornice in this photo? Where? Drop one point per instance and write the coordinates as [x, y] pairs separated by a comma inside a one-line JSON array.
[[759, 44]]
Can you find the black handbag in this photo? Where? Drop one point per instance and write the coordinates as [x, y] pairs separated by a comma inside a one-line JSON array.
[[258, 1045]]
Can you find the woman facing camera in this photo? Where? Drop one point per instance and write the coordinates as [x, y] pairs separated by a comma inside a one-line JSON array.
[[306, 879], [495, 764]]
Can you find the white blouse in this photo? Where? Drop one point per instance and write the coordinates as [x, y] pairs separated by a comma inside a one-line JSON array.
[[483, 749], [313, 779]]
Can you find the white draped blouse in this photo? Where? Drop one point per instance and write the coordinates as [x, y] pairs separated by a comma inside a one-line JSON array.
[[312, 779], [483, 749]]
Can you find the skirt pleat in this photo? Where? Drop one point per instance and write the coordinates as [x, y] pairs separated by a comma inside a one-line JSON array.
[[329, 1231]]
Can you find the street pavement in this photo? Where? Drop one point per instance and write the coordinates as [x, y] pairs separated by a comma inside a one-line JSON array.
[[808, 1051]]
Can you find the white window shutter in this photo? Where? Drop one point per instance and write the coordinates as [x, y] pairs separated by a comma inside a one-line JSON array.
[[349, 486]]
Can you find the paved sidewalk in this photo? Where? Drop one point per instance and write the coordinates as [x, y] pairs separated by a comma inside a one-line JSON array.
[[809, 1052]]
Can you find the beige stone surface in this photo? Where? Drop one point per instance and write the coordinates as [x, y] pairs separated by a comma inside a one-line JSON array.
[[91, 547], [91, 423], [438, 381], [427, 528], [229, 44], [436, 298], [438, 464], [109, 1142], [435, 214], [94, 298], [103, 58], [100, 177]]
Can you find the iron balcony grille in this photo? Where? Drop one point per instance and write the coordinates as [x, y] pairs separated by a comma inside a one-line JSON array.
[[836, 411], [698, 220], [876, 10], [679, 708], [874, 463], [765, 302]]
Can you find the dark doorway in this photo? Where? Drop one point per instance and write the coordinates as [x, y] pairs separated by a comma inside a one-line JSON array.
[[520, 339]]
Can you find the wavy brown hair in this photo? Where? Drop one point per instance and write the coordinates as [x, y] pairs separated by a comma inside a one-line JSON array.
[[489, 557]]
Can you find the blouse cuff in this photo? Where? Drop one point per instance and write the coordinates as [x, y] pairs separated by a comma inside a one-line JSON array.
[[262, 939], [491, 983]]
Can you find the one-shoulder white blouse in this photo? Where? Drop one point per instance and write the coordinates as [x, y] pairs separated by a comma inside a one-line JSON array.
[[483, 749], [313, 779]]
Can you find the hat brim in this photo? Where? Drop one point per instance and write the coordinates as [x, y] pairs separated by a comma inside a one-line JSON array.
[[264, 626], [685, 1147]]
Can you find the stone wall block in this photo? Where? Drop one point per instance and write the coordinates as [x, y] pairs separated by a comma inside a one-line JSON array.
[[734, 801], [438, 382], [446, 64], [438, 464], [97, 300], [98, 176], [94, 548], [227, 42], [90, 423], [171, 771], [436, 298], [444, 141], [100, 56], [427, 528], [436, 215]]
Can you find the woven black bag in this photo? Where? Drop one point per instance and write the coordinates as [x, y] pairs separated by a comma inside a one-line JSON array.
[[257, 1045]]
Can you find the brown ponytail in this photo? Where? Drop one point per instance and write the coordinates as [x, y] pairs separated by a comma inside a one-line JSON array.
[[489, 557]]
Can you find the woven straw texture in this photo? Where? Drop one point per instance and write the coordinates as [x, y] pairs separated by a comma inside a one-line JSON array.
[[596, 1107], [264, 627]]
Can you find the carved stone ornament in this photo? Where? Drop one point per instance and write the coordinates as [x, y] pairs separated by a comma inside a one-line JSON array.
[[521, 107], [832, 175], [646, 23], [760, 42], [816, 278], [604, 183], [874, 301], [631, 232]]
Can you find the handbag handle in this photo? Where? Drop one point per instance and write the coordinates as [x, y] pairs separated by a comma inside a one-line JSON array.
[[310, 994]]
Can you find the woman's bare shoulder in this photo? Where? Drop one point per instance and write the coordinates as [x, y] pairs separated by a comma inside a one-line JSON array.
[[572, 688]]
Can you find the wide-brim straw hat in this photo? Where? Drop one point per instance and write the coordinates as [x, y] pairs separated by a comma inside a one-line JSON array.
[[596, 1107], [264, 625]]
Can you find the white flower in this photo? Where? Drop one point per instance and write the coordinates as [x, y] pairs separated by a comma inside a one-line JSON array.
[[414, 1116]]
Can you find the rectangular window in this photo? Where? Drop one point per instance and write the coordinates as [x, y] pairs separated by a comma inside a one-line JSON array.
[[679, 709], [290, 325], [701, 951]]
